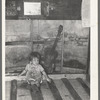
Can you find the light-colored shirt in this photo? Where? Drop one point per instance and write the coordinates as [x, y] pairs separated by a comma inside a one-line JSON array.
[[33, 71]]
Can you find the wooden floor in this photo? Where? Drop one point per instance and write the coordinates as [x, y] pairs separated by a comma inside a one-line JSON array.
[[60, 89]]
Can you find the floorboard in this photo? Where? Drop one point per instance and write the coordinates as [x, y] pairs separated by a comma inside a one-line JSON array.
[[46, 92], [7, 90], [23, 92], [13, 92], [79, 89], [55, 91], [71, 89], [65, 94], [36, 93], [86, 88], [58, 89]]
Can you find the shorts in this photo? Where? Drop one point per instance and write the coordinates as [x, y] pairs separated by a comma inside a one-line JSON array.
[[32, 81]]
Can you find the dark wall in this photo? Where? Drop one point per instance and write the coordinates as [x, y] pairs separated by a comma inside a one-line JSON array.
[[50, 9]]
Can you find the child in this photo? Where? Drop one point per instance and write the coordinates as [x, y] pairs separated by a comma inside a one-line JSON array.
[[34, 71]]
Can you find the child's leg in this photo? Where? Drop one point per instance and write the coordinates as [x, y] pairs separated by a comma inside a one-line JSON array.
[[36, 82], [39, 82]]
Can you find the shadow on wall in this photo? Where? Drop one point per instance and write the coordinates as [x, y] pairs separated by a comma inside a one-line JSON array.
[[74, 64]]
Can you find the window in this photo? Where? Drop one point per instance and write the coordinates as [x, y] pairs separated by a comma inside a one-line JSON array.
[[31, 8]]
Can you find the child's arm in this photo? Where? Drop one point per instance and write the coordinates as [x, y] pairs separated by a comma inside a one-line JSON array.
[[46, 76], [23, 72]]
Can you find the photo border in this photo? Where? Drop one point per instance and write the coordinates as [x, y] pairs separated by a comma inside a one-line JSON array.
[[0, 50], [94, 46], [98, 49]]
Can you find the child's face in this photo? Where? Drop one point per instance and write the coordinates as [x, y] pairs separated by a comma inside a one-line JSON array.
[[35, 60]]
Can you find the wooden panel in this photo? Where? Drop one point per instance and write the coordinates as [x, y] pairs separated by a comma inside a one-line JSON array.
[[79, 89], [17, 55], [7, 90], [86, 88], [71, 89], [17, 43], [58, 89], [55, 91], [11, 9], [54, 9], [13, 93], [23, 93], [53, 76], [20, 28], [63, 90], [87, 83], [47, 94], [36, 93]]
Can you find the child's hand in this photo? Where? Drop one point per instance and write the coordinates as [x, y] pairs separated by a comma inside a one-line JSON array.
[[49, 80]]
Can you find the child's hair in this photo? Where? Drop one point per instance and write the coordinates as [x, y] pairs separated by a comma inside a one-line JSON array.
[[33, 55]]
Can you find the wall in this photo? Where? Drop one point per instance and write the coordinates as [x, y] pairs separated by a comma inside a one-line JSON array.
[[50, 9], [37, 35]]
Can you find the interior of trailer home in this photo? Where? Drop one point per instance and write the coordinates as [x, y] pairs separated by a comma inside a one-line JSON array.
[[57, 30]]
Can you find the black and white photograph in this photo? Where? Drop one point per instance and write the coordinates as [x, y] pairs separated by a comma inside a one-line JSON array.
[[47, 52]]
